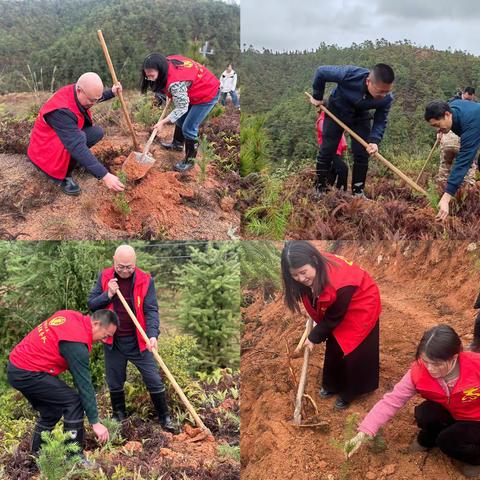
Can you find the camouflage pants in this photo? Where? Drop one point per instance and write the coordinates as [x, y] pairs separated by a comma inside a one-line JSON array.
[[447, 158]]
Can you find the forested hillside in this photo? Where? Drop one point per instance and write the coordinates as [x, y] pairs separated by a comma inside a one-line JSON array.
[[62, 35], [275, 82]]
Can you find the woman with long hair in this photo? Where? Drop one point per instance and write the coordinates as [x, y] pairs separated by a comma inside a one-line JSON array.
[[194, 90], [344, 302]]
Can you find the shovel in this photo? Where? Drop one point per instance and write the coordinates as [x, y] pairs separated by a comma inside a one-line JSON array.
[[119, 94], [427, 160], [377, 155], [297, 414], [138, 164], [159, 360]]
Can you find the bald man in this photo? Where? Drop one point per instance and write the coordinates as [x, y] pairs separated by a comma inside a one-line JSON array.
[[127, 344], [64, 132]]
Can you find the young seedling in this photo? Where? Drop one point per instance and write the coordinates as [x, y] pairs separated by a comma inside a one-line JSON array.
[[120, 200], [349, 431]]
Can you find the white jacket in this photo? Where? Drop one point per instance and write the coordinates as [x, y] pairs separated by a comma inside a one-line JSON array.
[[228, 81]]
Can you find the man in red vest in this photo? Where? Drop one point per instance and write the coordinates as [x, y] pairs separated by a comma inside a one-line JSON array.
[[64, 132], [61, 342], [127, 344]]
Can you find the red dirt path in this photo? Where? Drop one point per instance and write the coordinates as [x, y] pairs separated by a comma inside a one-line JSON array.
[[421, 284]]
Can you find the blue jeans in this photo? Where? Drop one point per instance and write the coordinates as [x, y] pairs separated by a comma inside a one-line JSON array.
[[196, 114], [234, 96], [126, 349]]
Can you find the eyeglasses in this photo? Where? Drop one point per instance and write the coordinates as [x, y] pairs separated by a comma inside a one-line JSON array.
[[91, 100], [125, 268]]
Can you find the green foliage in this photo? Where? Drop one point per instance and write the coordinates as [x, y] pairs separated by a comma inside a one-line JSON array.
[[433, 195], [146, 112], [377, 444], [208, 155], [271, 216], [120, 199], [210, 302], [260, 266], [254, 145], [225, 450], [115, 433], [349, 431], [16, 419], [58, 457], [216, 111], [44, 34]]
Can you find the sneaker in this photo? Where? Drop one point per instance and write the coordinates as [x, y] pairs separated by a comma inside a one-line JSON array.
[[184, 166], [341, 404], [416, 447], [70, 186], [325, 393], [360, 195]]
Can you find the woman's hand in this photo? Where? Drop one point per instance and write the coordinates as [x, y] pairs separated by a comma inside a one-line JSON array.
[[160, 124], [308, 344], [352, 445]]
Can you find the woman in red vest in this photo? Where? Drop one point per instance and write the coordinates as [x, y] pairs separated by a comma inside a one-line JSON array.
[[344, 302], [449, 418], [194, 90]]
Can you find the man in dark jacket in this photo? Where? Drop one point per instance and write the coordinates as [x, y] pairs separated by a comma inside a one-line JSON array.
[[127, 344], [61, 342], [358, 91], [462, 117], [64, 132]]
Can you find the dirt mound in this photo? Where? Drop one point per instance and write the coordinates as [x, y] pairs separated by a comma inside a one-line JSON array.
[[164, 204], [412, 279]]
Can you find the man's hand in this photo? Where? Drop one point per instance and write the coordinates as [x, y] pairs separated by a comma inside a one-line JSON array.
[[113, 182], [352, 445], [112, 287], [153, 344], [101, 432], [372, 148], [443, 207], [117, 88], [308, 344], [317, 103]]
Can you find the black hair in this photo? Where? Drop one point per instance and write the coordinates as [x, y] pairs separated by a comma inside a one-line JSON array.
[[469, 90], [436, 110], [296, 254], [383, 73], [105, 317], [439, 343], [160, 63]]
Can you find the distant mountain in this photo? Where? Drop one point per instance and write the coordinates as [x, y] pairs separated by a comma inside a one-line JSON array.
[[44, 34]]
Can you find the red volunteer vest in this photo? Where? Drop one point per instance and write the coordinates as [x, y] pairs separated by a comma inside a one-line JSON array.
[[39, 351], [364, 308], [464, 400], [204, 85], [140, 288], [46, 150]]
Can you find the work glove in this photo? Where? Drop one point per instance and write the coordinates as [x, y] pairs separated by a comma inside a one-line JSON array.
[[352, 445]]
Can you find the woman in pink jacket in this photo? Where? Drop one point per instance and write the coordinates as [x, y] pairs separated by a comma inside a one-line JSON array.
[[449, 418]]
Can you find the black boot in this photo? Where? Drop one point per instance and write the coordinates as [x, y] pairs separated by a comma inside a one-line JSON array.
[[190, 155], [70, 186], [76, 432], [119, 411], [359, 176], [177, 142], [160, 403], [37, 438]]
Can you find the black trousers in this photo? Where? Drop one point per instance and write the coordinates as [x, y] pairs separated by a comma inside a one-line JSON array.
[[360, 122], [126, 349], [338, 174], [93, 135], [354, 374], [457, 439], [50, 396]]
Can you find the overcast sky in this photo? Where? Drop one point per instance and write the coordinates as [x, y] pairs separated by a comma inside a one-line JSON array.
[[304, 24]]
